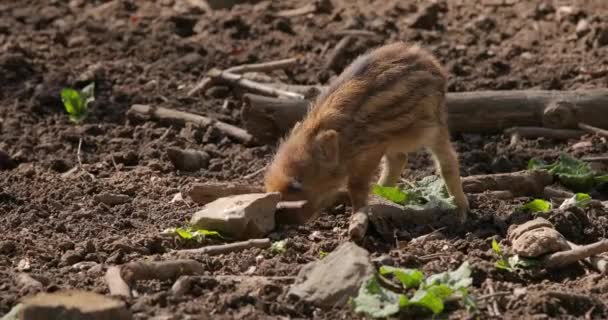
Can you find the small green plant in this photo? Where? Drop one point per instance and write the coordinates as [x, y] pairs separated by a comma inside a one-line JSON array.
[[580, 200], [572, 173], [191, 234], [431, 293], [76, 102], [429, 192], [322, 254], [278, 247], [510, 263], [537, 205]]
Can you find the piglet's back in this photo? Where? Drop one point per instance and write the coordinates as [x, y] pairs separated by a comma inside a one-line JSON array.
[[382, 94]]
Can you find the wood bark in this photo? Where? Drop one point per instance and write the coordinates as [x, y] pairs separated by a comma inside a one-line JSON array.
[[468, 112]]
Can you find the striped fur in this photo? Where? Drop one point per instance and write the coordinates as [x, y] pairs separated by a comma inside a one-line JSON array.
[[386, 103]]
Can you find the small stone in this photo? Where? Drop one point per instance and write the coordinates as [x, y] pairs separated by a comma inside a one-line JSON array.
[[384, 259], [332, 280], [177, 198], [428, 17], [112, 199], [242, 216], [73, 304], [24, 265], [7, 247], [188, 160], [6, 162], [582, 27], [535, 238], [602, 36], [71, 257]]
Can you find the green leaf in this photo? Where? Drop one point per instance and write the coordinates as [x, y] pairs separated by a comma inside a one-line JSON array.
[[431, 298], [393, 194], [76, 102], [516, 261], [278, 247], [580, 200], [190, 234], [88, 93], [428, 193], [601, 179], [503, 265], [322, 254], [572, 173], [457, 279], [537, 205], [376, 301], [409, 278], [496, 247], [184, 234]]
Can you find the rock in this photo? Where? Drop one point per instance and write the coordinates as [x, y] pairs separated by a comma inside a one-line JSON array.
[[71, 257], [332, 280], [7, 247], [536, 238], [73, 304], [242, 216], [427, 17], [602, 36], [112, 199], [582, 27], [25, 280], [189, 159], [6, 162]]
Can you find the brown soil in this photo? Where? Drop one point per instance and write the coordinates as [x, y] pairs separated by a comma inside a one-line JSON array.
[[153, 52]]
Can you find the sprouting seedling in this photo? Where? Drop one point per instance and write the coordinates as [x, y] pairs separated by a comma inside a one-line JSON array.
[[510, 263], [278, 247], [76, 102]]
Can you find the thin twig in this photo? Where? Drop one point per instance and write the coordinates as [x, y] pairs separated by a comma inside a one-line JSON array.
[[494, 302], [240, 81], [264, 66], [357, 33], [596, 159], [255, 173], [306, 9], [549, 133], [594, 130], [493, 295], [230, 247], [80, 160], [339, 49], [114, 162]]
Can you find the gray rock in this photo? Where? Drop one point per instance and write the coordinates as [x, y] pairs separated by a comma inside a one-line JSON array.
[[242, 216], [332, 280], [72, 305], [112, 199]]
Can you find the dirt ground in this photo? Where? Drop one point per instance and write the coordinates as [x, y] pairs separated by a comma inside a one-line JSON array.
[[154, 52]]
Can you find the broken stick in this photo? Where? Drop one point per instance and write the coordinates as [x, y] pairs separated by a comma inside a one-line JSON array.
[[264, 66], [563, 258], [468, 112], [593, 130], [240, 81], [180, 118], [336, 54], [117, 285], [230, 247]]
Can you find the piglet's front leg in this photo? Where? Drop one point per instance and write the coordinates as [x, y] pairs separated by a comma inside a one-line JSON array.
[[359, 180]]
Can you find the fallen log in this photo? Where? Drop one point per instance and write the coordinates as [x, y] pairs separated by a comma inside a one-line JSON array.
[[540, 132], [520, 183], [468, 112], [180, 118]]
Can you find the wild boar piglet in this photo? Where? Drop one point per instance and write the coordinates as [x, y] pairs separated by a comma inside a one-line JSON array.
[[385, 104]]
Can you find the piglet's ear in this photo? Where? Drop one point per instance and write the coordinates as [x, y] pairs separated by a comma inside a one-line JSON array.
[[326, 148]]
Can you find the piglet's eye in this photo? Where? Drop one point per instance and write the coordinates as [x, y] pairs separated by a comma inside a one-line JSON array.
[[294, 186]]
